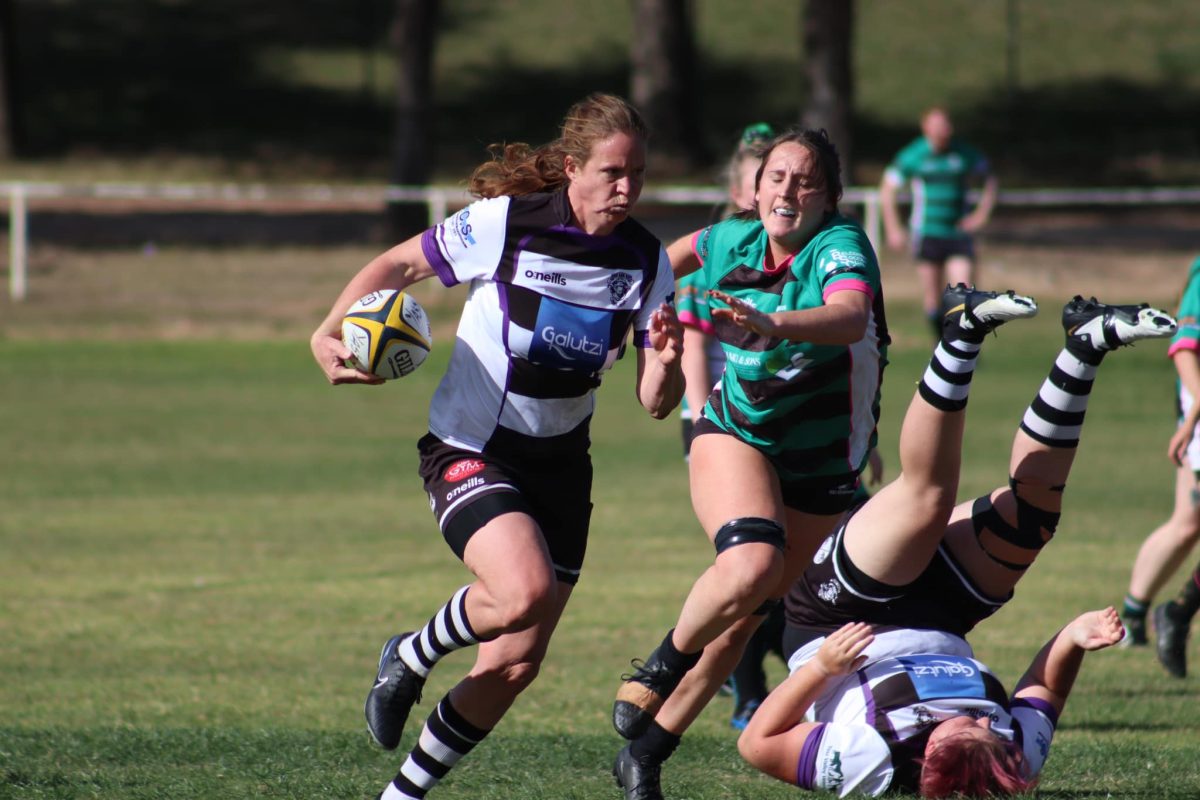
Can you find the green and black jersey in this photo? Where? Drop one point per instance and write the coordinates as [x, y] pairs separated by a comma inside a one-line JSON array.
[[811, 408]]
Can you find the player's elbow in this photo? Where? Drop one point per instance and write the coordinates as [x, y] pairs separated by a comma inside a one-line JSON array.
[[753, 749]]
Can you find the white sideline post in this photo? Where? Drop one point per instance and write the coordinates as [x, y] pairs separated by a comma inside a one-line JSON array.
[[871, 218], [17, 233]]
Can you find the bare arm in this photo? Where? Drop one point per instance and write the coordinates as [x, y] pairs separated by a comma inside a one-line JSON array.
[[983, 210], [659, 367], [398, 268], [892, 226], [776, 734], [1053, 671], [698, 380], [1187, 364], [842, 320], [684, 260]]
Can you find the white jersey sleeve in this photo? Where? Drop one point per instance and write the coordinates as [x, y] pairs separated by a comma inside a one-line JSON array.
[[469, 243], [1035, 721], [663, 291], [845, 758]]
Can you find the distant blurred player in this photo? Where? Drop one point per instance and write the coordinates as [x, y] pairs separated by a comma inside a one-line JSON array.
[[1165, 549], [939, 168]]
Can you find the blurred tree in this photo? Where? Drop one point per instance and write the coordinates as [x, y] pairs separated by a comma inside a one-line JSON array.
[[413, 37], [9, 130], [827, 31], [663, 83]]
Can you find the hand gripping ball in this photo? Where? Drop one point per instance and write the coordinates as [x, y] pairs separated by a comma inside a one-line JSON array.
[[388, 333]]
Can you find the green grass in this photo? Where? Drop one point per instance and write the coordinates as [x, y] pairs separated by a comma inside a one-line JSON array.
[[204, 545]]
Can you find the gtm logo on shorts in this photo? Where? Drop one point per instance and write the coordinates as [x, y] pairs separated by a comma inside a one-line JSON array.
[[460, 470]]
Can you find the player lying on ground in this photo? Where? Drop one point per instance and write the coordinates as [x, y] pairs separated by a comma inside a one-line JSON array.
[[919, 713]]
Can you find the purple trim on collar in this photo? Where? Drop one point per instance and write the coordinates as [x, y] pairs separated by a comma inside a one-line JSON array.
[[433, 254]]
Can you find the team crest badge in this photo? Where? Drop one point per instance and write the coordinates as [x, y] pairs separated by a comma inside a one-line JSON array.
[[829, 592], [618, 286]]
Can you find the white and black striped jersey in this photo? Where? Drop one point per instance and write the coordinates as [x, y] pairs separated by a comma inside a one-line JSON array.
[[548, 311], [874, 727]]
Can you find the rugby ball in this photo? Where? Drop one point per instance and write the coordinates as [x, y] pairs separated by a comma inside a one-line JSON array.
[[387, 333]]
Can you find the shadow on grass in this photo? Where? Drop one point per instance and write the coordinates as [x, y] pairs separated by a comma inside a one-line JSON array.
[[127, 77]]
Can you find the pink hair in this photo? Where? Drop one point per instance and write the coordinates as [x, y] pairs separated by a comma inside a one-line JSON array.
[[973, 767]]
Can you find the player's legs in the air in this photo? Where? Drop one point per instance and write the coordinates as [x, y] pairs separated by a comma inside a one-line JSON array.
[[892, 538], [996, 537]]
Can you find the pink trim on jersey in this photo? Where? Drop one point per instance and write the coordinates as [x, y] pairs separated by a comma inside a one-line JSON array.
[[849, 285], [692, 321], [1183, 344], [696, 238]]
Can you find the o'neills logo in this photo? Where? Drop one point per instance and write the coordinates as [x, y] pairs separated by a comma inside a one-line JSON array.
[[470, 484], [462, 469]]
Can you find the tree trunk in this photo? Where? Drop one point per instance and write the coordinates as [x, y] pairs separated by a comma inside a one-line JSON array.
[[413, 37], [827, 33], [9, 133], [663, 83]]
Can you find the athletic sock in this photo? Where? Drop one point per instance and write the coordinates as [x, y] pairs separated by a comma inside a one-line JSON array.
[[655, 745], [447, 630], [1132, 607], [676, 660], [445, 739], [947, 380], [1188, 601], [1055, 416]]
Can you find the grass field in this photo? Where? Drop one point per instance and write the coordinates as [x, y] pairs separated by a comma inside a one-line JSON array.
[[203, 547]]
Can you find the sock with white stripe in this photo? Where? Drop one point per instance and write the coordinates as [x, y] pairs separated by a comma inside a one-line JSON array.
[[445, 739], [947, 379], [1055, 416], [447, 630]]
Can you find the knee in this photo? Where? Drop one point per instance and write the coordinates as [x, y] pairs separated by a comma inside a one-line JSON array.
[[524, 604], [750, 573], [750, 557]]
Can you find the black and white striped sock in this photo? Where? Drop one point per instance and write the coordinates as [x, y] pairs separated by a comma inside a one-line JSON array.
[[947, 379], [1055, 416], [445, 739], [447, 630]]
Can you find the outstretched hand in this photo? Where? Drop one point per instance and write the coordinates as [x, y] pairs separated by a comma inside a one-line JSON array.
[[742, 314], [1096, 630], [841, 652]]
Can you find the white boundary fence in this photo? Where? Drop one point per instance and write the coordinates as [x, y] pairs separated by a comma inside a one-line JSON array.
[[440, 200]]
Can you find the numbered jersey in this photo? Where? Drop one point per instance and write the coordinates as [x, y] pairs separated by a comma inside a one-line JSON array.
[[548, 312], [874, 727], [811, 407]]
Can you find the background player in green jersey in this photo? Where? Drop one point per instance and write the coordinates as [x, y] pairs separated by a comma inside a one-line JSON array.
[[703, 358], [777, 454], [1165, 549], [939, 169]]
